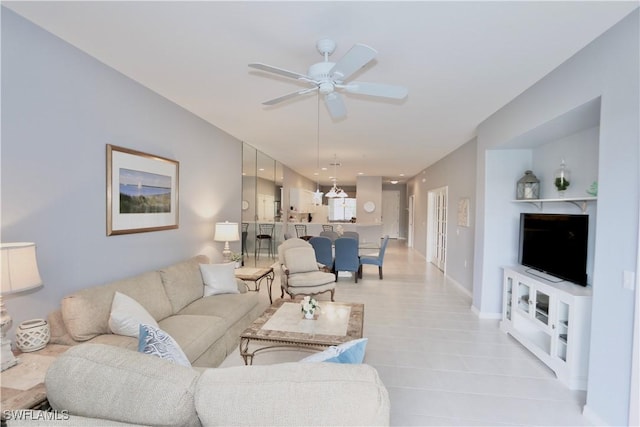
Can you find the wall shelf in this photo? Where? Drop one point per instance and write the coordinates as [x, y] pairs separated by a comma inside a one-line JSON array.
[[580, 202]]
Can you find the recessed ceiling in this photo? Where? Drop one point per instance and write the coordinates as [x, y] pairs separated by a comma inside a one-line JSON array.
[[461, 61]]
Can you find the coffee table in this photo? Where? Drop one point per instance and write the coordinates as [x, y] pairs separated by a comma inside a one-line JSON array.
[[282, 325]]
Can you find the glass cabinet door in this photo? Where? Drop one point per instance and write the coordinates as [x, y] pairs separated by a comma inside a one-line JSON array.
[[562, 331], [508, 293], [542, 307], [523, 297]]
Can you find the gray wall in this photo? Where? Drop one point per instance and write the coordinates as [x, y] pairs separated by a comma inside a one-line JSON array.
[[607, 68], [457, 171], [60, 108]]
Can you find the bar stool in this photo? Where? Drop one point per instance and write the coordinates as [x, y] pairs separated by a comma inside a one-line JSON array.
[[245, 233], [265, 233], [326, 227], [301, 232]]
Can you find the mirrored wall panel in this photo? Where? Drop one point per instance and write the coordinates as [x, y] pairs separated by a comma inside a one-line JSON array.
[[261, 207]]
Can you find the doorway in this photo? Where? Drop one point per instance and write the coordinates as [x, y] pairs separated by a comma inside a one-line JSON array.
[[411, 217], [437, 228]]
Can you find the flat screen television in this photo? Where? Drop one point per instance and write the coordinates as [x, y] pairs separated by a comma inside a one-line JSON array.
[[555, 244]]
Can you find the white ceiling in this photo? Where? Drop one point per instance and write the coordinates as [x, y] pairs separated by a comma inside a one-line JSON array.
[[461, 61]]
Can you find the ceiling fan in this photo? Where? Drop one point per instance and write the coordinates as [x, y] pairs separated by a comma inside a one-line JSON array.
[[328, 78]]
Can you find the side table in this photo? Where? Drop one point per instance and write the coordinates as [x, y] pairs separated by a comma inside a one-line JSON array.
[[23, 384], [256, 275]]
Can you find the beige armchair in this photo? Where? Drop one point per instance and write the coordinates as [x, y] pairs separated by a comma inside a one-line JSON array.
[[301, 274]]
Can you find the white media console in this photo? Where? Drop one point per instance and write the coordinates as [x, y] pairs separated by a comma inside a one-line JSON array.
[[552, 320]]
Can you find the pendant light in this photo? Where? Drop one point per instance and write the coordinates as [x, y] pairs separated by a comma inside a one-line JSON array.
[[335, 191], [317, 195]]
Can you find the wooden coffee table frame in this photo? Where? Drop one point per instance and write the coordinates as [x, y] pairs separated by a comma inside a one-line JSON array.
[[254, 334]]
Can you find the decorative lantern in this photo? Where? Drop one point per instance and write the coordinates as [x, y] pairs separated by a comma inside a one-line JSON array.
[[528, 187]]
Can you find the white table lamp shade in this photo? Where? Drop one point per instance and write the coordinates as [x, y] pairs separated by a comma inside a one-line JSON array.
[[226, 232], [19, 268]]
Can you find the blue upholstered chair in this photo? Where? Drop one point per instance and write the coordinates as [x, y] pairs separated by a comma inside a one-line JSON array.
[[352, 235], [375, 259], [346, 258], [330, 234], [324, 251]]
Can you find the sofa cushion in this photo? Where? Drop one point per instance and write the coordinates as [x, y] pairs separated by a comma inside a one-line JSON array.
[[219, 278], [86, 312], [111, 383], [293, 394], [300, 260], [183, 282], [230, 307], [156, 342], [127, 315], [194, 334]]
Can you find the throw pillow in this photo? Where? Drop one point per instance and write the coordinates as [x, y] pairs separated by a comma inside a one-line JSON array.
[[126, 316], [219, 278], [300, 260], [349, 352], [157, 342]]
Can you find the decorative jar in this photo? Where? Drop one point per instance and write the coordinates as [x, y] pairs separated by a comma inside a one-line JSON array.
[[562, 179], [32, 335], [528, 187]]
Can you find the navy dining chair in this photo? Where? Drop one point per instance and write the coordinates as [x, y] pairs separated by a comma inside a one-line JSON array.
[[324, 251], [346, 258], [375, 259]]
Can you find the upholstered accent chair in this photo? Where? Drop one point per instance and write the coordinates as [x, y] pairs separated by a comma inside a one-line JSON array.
[[301, 274], [375, 259], [346, 258]]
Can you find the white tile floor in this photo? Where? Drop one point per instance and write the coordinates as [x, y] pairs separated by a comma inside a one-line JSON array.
[[440, 363]]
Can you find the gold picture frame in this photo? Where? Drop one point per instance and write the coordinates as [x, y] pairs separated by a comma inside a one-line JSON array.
[[463, 212], [142, 192]]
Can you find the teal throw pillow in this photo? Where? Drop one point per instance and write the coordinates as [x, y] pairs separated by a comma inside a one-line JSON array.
[[158, 343], [349, 352]]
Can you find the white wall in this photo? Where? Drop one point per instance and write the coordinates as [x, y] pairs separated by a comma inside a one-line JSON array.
[[607, 68], [60, 108]]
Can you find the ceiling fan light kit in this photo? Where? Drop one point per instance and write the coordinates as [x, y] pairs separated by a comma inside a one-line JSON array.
[[328, 78]]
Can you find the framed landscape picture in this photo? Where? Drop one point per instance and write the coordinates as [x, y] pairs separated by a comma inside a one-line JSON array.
[[142, 192]]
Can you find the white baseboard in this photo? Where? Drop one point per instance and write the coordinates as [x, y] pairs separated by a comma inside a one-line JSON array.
[[485, 316], [459, 286], [593, 418]]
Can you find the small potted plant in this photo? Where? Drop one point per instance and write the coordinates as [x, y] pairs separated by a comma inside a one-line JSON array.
[[237, 258], [309, 306]]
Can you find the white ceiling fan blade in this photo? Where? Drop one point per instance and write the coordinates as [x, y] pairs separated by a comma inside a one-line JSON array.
[[289, 96], [335, 105], [357, 57], [377, 89], [280, 71]]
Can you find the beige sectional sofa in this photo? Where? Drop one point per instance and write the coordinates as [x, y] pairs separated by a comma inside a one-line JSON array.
[[206, 328], [99, 385]]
